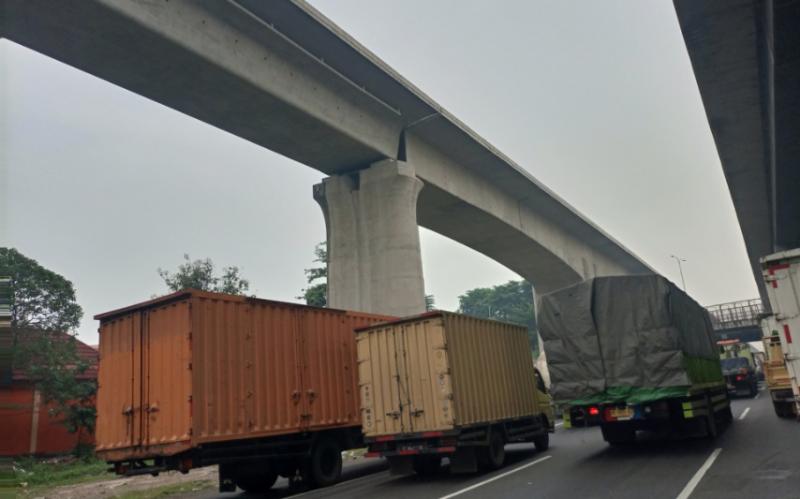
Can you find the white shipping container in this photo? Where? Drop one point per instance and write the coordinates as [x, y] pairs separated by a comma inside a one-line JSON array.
[[781, 272]]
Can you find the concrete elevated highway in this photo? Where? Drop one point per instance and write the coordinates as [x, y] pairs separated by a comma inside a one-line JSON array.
[[281, 75], [746, 58]]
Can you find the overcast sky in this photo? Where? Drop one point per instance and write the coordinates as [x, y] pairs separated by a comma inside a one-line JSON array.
[[595, 99]]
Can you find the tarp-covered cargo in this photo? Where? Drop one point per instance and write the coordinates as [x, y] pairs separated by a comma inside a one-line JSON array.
[[626, 338]]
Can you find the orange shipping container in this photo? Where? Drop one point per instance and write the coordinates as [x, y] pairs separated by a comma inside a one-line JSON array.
[[194, 368]]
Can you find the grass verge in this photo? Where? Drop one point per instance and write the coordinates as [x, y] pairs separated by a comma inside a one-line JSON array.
[[36, 473], [168, 490]]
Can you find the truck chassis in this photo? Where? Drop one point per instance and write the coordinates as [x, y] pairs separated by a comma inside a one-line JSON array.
[[468, 448], [705, 411]]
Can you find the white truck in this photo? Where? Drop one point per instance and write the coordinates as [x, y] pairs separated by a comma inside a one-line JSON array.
[[781, 272]]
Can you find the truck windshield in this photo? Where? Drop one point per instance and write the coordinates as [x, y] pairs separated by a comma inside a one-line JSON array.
[[734, 363]]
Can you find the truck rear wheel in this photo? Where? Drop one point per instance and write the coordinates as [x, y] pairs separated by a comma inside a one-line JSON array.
[[325, 466], [256, 483], [427, 465], [493, 456], [783, 409], [542, 442]]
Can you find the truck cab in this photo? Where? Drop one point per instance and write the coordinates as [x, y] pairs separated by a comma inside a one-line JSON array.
[[740, 376], [738, 367]]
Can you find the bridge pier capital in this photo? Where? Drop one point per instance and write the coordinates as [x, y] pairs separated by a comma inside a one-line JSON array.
[[374, 260]]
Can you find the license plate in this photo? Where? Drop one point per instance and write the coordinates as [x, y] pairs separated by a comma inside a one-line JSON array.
[[622, 413]]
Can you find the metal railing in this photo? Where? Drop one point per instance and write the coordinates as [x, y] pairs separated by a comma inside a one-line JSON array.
[[736, 314]]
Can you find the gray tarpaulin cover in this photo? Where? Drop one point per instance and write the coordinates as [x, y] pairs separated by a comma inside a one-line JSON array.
[[625, 331]]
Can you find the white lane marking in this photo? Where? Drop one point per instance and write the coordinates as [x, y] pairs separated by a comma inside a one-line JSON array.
[[744, 413], [359, 479], [498, 477], [687, 491], [757, 394], [559, 423]]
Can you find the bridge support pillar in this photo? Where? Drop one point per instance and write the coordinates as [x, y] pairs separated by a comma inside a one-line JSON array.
[[374, 260]]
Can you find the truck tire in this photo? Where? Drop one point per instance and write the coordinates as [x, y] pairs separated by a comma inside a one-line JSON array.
[[782, 409], [325, 465], [493, 456], [618, 433], [256, 483], [542, 442], [427, 465], [711, 425]]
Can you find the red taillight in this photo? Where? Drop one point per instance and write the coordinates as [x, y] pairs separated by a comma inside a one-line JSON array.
[[594, 411], [739, 377]]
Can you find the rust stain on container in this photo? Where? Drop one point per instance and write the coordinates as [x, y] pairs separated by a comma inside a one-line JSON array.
[[196, 367], [439, 371]]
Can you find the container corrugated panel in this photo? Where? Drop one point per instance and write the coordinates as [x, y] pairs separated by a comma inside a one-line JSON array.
[[144, 379], [404, 378], [114, 427], [492, 371], [197, 367], [440, 370]]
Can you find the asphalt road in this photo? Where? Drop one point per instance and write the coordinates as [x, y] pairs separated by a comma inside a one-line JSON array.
[[756, 457]]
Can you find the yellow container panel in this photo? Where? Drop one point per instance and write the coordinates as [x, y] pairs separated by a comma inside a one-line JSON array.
[[378, 386], [426, 376], [443, 370], [492, 370]]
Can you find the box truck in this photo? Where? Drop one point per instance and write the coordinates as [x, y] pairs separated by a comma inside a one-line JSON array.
[[781, 272], [633, 353], [443, 384], [261, 388], [738, 367], [776, 376]]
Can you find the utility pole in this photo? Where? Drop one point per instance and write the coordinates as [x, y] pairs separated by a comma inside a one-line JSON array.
[[680, 268]]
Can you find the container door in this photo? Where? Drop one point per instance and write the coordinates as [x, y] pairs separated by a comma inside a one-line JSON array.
[[166, 367], [425, 377], [116, 384], [783, 287], [380, 386], [137, 381], [328, 372]]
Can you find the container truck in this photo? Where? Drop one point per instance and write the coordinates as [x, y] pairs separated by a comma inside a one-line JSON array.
[[775, 373], [781, 273], [633, 353], [738, 367], [447, 385], [261, 388]]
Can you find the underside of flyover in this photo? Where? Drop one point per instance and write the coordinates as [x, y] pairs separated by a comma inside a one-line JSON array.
[[746, 58], [281, 75]]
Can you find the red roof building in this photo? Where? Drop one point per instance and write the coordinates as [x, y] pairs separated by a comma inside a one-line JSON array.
[[27, 427]]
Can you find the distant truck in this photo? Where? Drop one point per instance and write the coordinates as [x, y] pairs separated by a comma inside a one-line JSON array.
[[448, 385], [739, 367], [261, 388], [633, 353], [781, 273], [775, 373]]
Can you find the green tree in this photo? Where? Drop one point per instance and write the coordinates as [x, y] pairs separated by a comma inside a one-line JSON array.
[[316, 294], [44, 316], [510, 302], [199, 274]]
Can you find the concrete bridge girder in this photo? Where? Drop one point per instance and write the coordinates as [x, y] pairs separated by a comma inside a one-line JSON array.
[[281, 75]]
